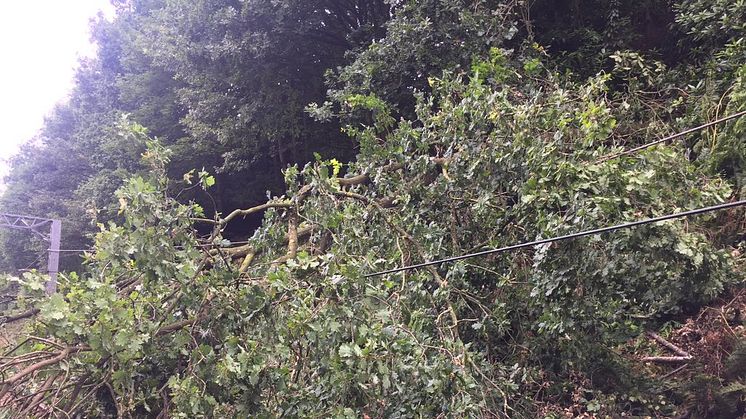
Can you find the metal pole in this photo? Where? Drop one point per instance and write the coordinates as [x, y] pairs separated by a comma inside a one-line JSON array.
[[55, 235], [36, 225]]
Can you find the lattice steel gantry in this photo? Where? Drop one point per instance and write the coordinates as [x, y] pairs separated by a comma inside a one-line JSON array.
[[50, 230]]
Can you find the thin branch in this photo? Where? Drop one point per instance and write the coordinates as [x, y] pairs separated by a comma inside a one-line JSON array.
[[76, 392], [39, 397], [365, 177], [203, 220], [47, 341], [673, 372]]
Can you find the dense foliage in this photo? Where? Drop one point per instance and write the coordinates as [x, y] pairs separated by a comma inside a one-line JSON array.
[[477, 124]]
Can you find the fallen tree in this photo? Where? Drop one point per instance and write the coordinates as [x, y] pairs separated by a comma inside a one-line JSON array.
[[167, 323]]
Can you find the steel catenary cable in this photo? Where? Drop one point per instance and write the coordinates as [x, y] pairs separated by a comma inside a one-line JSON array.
[[671, 137], [566, 237]]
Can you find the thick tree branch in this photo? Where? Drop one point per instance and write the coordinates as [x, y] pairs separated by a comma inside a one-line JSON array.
[[292, 240], [365, 178], [247, 261], [675, 349], [25, 315], [62, 355], [253, 210]]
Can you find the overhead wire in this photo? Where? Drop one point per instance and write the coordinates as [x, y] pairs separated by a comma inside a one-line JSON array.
[[560, 238], [671, 137], [34, 263], [202, 245]]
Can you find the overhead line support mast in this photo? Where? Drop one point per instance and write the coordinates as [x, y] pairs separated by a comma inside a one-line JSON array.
[[49, 230]]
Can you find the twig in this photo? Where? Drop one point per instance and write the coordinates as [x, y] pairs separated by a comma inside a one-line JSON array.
[[74, 409], [10, 382], [47, 341], [15, 348], [670, 373], [76, 392]]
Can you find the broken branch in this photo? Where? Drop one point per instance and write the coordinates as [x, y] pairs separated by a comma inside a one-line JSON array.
[[252, 210], [20, 316], [667, 359], [675, 349]]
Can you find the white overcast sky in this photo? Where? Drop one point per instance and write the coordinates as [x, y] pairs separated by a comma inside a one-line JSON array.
[[40, 44]]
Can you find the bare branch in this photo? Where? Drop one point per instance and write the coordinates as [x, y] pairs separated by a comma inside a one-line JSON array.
[[8, 384], [365, 178], [247, 261], [252, 210], [667, 359], [203, 220], [39, 397], [292, 240], [675, 349], [25, 315]]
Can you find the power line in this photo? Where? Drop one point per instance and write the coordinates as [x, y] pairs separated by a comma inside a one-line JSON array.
[[671, 137], [71, 250], [566, 237], [528, 244], [202, 245]]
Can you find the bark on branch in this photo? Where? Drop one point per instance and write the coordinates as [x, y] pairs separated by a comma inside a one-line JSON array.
[[246, 261], [365, 178], [675, 349], [20, 316], [60, 356], [39, 397], [292, 240], [683, 356], [258, 208], [176, 326], [667, 359]]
